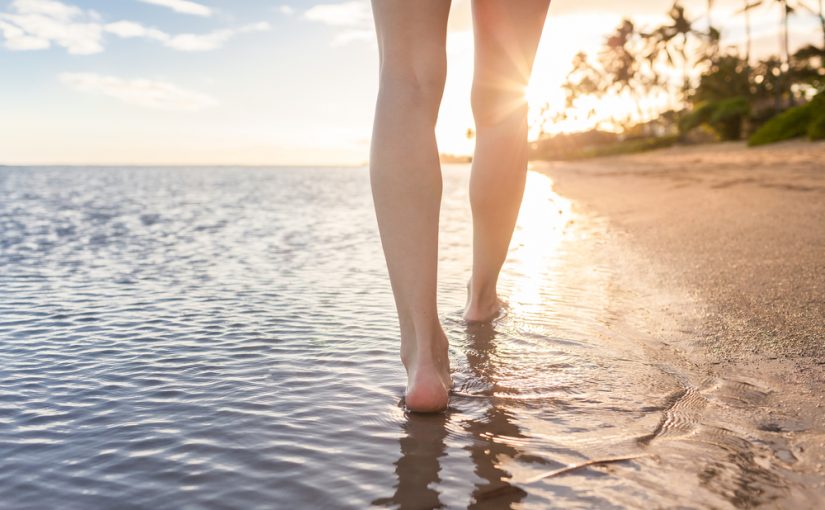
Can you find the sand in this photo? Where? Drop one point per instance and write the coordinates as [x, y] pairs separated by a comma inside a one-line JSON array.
[[741, 232], [742, 227]]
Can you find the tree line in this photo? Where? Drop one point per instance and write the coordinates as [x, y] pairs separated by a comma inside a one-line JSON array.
[[683, 83]]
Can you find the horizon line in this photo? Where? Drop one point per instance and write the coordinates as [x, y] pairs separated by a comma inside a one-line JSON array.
[[184, 165]]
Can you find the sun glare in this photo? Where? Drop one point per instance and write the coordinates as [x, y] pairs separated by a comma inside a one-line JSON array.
[[539, 232], [534, 95]]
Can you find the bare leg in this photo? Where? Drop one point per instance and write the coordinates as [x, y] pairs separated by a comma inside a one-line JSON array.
[[406, 184], [506, 38]]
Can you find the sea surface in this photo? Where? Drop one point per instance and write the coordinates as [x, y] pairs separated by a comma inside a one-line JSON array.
[[226, 338]]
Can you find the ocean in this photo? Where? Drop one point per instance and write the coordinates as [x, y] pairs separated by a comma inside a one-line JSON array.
[[226, 338]]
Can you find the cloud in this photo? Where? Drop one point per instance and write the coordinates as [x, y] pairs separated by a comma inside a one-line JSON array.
[[286, 9], [183, 42], [130, 29], [354, 16], [182, 6], [154, 94], [347, 14], [37, 24], [211, 40]]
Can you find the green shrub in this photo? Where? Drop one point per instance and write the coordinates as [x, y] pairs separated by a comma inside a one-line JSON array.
[[700, 135], [629, 146], [724, 116], [816, 127], [728, 115], [700, 115], [791, 123], [807, 119]]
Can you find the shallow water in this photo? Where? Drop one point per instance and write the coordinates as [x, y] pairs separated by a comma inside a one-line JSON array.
[[222, 337]]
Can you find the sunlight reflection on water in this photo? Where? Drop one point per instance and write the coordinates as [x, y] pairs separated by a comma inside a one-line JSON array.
[[208, 337], [539, 233]]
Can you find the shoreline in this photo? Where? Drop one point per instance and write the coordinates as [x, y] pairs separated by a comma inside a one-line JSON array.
[[744, 228], [729, 273]]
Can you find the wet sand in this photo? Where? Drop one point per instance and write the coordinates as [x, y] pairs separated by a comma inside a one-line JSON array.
[[730, 271]]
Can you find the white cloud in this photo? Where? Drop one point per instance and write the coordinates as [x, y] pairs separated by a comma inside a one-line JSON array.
[[183, 42], [17, 39], [199, 42], [182, 6], [213, 40], [130, 29], [286, 9], [354, 17], [49, 8], [355, 13], [154, 94], [37, 24]]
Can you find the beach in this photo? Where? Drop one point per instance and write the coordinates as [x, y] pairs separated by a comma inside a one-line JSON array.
[[739, 234], [210, 336], [743, 227], [289, 256]]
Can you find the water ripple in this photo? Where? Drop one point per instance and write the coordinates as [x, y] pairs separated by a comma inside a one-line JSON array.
[[226, 337]]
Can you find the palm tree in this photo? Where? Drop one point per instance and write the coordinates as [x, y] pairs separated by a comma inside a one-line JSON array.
[[714, 35], [746, 10], [672, 40], [710, 21], [621, 63], [819, 13], [788, 7], [786, 11]]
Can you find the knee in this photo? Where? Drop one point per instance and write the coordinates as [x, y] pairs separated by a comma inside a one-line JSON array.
[[498, 102], [417, 87]]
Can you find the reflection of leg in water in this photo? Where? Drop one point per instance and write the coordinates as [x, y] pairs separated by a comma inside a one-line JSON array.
[[490, 432], [418, 467]]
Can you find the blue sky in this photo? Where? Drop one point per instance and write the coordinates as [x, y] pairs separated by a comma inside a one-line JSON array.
[[255, 76], [246, 81]]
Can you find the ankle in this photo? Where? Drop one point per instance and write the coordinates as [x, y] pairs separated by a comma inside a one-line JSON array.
[[481, 294], [425, 343]]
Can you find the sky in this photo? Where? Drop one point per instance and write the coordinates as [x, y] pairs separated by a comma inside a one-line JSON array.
[[256, 82]]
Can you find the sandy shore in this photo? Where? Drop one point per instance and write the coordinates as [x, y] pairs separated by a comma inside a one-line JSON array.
[[744, 228], [741, 232]]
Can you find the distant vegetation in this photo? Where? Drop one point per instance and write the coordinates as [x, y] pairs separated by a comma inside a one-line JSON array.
[[803, 120], [454, 158], [685, 87]]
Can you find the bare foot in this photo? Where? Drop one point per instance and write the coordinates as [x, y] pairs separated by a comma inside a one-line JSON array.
[[428, 374], [481, 307]]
